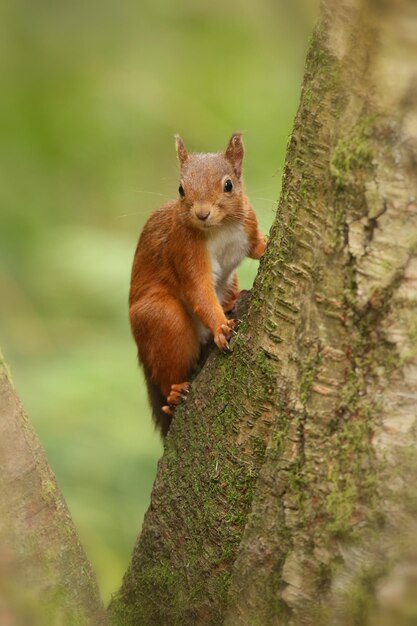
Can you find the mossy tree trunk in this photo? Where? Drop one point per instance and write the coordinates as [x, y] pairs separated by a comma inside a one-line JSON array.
[[286, 491], [45, 578]]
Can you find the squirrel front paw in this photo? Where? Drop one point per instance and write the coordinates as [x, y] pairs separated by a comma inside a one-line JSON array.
[[224, 333], [260, 247]]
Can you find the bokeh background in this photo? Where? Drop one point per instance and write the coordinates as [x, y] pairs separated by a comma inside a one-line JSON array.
[[91, 96]]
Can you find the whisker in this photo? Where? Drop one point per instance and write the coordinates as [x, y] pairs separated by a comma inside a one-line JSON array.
[[152, 193], [268, 199], [233, 218], [132, 214]]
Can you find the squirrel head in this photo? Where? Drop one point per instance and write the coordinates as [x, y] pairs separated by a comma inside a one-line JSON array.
[[211, 187]]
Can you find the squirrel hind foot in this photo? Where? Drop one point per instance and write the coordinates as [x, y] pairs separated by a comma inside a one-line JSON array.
[[177, 394]]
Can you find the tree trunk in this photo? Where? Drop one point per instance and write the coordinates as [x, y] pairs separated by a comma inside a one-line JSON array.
[[45, 577], [286, 491]]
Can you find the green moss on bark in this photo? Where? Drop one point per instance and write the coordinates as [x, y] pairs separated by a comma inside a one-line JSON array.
[[190, 540]]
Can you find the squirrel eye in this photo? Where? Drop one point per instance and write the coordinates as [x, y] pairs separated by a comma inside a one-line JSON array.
[[181, 191], [228, 185]]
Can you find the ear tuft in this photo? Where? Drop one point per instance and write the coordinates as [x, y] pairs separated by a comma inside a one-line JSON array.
[[181, 150], [234, 153]]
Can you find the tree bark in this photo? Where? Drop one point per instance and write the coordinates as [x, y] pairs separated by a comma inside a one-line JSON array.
[[45, 577], [286, 491]]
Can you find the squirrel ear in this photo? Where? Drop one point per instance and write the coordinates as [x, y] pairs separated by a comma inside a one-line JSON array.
[[234, 153], [181, 150]]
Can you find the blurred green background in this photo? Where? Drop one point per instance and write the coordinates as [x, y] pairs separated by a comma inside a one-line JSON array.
[[91, 96]]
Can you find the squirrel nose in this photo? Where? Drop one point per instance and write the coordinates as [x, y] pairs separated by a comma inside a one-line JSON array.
[[203, 215]]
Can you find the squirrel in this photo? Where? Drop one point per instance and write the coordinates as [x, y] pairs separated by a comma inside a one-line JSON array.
[[183, 278]]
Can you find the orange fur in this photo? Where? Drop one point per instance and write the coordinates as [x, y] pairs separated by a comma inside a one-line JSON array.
[[231, 295], [183, 276]]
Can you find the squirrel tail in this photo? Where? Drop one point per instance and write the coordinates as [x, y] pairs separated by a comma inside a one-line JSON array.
[[157, 401]]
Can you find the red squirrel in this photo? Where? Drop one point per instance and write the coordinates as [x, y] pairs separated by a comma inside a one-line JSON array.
[[183, 277]]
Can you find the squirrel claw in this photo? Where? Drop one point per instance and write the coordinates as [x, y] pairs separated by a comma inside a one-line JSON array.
[[221, 341], [224, 334], [181, 387], [167, 410], [177, 395]]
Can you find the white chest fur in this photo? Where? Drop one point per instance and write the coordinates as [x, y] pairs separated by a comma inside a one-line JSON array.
[[227, 247]]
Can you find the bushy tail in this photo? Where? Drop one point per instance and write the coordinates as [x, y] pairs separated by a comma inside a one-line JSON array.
[[157, 401]]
